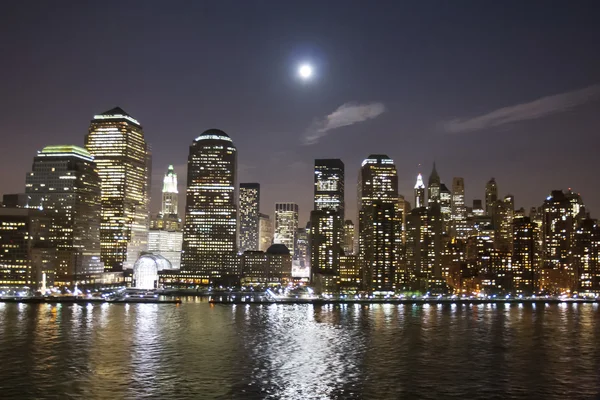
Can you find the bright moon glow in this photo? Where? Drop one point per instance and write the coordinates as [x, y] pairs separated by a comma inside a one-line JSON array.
[[305, 71]]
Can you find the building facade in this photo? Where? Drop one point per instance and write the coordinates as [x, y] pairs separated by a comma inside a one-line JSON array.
[[116, 141], [286, 225], [249, 204], [211, 225], [65, 183], [265, 232]]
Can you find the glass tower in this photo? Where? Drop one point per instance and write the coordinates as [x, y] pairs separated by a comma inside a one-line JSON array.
[[64, 182], [210, 232], [249, 215], [122, 157], [286, 225]]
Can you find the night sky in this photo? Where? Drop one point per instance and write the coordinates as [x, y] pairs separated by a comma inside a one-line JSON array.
[[504, 89]]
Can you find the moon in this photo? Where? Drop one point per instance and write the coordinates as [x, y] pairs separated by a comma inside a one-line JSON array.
[[305, 71]]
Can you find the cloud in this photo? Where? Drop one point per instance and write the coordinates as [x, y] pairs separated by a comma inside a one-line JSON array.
[[346, 114], [525, 111]]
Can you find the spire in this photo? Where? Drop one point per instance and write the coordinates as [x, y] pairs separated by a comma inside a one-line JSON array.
[[419, 184], [170, 181], [434, 177]]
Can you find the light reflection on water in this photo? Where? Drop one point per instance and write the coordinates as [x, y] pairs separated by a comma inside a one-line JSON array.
[[377, 351]]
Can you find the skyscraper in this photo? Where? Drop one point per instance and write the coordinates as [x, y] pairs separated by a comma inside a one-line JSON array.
[[524, 256], [64, 181], [325, 249], [419, 192], [433, 186], [586, 252], [329, 185], [504, 215], [491, 196], [286, 225], [446, 208], [165, 237], [379, 227], [424, 247], [116, 141], [327, 219], [460, 229], [265, 232], [210, 232], [168, 218], [249, 214]]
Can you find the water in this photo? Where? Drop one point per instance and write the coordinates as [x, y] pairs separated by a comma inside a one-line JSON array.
[[199, 351]]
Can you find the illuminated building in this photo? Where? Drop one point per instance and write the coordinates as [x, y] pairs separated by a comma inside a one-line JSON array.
[[433, 186], [350, 275], [329, 185], [146, 269], [301, 260], [65, 183], [424, 248], [267, 269], [561, 213], [524, 257], [491, 196], [503, 222], [496, 276], [168, 218], [166, 244], [25, 249], [165, 237], [349, 237], [379, 225], [325, 249], [327, 229], [586, 249], [446, 208], [249, 210], [419, 192], [210, 232], [286, 225], [265, 232], [116, 141], [460, 228]]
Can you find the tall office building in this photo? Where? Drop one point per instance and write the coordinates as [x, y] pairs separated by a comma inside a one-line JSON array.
[[433, 186], [210, 232], [329, 185], [379, 227], [286, 225], [503, 223], [325, 249], [349, 237], [424, 248], [491, 196], [446, 208], [249, 215], [524, 257], [586, 253], [165, 236], [327, 224], [64, 182], [116, 141], [460, 228], [168, 217], [265, 232], [419, 192]]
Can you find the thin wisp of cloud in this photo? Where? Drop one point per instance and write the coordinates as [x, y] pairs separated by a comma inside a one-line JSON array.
[[539, 108], [345, 115]]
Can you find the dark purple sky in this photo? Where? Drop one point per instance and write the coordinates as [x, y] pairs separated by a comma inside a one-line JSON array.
[[458, 82]]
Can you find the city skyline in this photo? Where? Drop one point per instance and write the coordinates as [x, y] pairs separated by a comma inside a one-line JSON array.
[[428, 94]]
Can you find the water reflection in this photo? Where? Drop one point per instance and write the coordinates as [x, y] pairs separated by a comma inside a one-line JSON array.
[[378, 351]]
